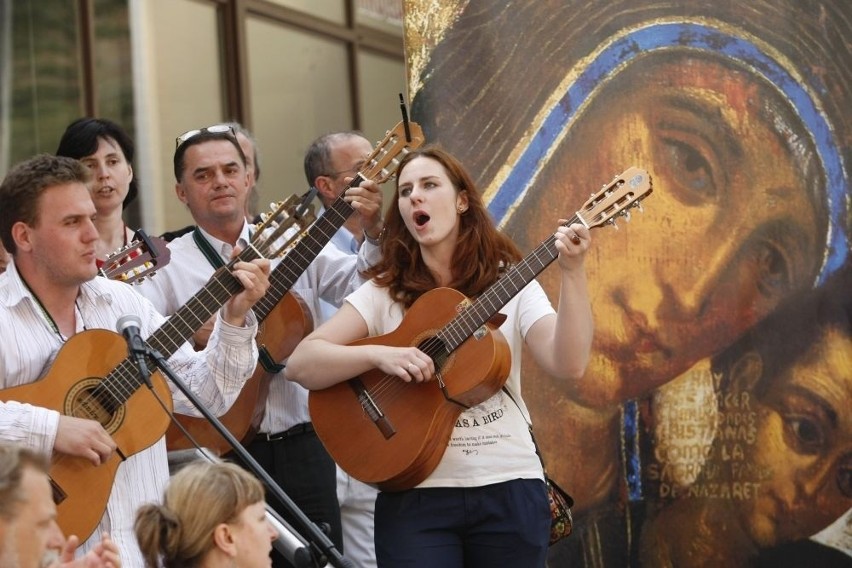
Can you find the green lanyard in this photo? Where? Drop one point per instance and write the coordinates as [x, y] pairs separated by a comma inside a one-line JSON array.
[[48, 319], [207, 250], [264, 357]]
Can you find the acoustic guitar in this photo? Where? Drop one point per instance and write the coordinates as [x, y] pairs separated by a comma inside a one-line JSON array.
[[382, 430], [93, 377], [284, 318]]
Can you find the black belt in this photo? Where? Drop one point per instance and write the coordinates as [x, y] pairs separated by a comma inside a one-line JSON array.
[[297, 430]]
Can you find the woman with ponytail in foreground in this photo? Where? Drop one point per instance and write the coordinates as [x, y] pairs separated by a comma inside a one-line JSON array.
[[213, 514]]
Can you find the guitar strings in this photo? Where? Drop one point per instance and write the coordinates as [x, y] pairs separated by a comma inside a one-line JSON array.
[[120, 384], [460, 327], [117, 387], [389, 387], [116, 382], [123, 381]]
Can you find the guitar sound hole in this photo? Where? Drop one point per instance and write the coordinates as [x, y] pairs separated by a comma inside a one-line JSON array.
[[86, 400], [436, 350]]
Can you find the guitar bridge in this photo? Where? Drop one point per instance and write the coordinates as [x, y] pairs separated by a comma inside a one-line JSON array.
[[371, 409]]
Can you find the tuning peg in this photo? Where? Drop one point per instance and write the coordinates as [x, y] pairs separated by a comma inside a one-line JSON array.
[[612, 222], [626, 215], [638, 205]]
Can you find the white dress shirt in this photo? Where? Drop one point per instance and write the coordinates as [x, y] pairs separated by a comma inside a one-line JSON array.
[[331, 277], [345, 242], [30, 345]]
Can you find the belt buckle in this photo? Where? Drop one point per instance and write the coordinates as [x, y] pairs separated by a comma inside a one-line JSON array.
[[275, 437], [302, 428]]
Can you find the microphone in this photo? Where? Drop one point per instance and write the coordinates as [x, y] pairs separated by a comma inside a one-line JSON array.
[[128, 326]]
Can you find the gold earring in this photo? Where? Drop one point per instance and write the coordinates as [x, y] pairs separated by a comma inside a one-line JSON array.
[[461, 209]]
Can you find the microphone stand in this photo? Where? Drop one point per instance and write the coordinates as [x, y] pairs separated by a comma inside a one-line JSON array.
[[303, 556]]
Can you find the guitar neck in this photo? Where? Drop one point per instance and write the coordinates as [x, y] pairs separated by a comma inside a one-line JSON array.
[[500, 293], [201, 307], [380, 166], [303, 253], [123, 381]]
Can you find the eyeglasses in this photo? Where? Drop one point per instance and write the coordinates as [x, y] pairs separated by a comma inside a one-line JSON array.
[[353, 170], [215, 129]]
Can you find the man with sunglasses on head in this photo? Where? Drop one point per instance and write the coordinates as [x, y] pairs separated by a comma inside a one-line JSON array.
[[212, 181], [248, 144], [50, 294]]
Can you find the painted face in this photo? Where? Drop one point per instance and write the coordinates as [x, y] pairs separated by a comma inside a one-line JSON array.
[[428, 202], [215, 183], [729, 231], [254, 535], [804, 445], [62, 242], [111, 175], [34, 535]]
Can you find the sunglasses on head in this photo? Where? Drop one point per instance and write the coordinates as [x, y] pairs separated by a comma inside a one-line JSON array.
[[215, 129]]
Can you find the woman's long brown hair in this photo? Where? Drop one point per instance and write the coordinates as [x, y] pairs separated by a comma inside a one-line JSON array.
[[481, 253]]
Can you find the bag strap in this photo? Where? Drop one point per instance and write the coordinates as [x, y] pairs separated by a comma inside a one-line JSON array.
[[529, 425], [547, 479]]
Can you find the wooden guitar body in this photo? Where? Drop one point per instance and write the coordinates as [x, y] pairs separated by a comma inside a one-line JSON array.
[[402, 447], [279, 333], [81, 489]]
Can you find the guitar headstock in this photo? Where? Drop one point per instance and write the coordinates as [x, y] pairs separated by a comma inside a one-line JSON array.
[[138, 260], [616, 198], [280, 229], [382, 163], [276, 235]]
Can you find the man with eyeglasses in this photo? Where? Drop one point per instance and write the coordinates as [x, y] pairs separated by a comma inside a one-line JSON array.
[[210, 169], [330, 162], [49, 295]]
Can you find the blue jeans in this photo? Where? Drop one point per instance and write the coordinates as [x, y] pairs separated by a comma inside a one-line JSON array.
[[505, 524]]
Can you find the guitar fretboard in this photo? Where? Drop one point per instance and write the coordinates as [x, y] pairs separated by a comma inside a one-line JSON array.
[[120, 384], [500, 293], [303, 253]]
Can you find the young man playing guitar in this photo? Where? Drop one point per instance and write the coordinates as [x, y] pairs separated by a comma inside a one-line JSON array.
[[49, 296], [286, 447]]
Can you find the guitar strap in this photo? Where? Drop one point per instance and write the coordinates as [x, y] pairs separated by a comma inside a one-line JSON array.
[[207, 250]]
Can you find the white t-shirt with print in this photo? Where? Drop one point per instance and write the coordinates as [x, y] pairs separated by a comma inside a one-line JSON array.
[[491, 442]]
